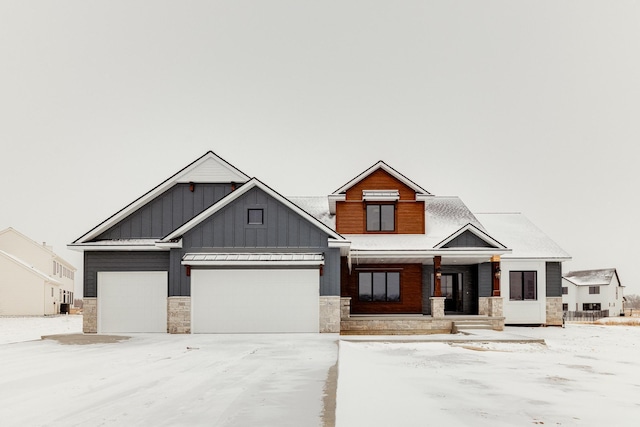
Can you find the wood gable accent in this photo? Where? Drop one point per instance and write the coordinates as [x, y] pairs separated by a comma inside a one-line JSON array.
[[351, 213]]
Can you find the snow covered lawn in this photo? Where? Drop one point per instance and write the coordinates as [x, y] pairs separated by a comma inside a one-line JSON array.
[[163, 380], [586, 375]]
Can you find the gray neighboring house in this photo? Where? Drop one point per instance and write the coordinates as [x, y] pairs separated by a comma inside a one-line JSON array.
[[211, 250]]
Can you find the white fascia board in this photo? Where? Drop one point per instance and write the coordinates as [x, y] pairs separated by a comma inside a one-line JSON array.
[[399, 254], [391, 171], [543, 259], [253, 183], [333, 198], [344, 246], [170, 245], [147, 197], [81, 247]]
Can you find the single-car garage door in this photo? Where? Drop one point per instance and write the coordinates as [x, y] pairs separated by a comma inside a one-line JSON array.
[[254, 301], [132, 301]]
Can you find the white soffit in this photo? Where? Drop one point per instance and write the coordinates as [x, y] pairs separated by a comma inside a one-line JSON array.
[[262, 259]]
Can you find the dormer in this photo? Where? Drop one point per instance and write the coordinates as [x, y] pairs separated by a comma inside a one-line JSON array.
[[380, 200]]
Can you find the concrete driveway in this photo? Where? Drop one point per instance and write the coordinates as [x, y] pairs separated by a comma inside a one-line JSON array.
[[158, 379]]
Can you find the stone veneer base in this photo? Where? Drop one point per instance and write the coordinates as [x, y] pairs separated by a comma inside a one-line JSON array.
[[179, 315], [90, 315], [554, 311], [329, 315]]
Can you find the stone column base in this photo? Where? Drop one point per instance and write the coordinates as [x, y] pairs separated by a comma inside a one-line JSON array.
[[345, 307], [437, 307], [90, 315], [330, 314], [483, 306], [179, 315], [554, 311], [495, 307]]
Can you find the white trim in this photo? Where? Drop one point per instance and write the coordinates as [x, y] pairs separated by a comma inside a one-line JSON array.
[[165, 185], [81, 247], [333, 198], [381, 195], [253, 183], [391, 171], [472, 229], [399, 254]]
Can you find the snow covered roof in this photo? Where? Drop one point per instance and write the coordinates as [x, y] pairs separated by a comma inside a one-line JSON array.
[[525, 239], [601, 277], [42, 247], [197, 259], [30, 268], [209, 168], [317, 206]]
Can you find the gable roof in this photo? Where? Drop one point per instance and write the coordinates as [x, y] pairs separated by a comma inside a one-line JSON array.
[[391, 171], [209, 168], [601, 277], [29, 268], [476, 232], [234, 195], [47, 249]]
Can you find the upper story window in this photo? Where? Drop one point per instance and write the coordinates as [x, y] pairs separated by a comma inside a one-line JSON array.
[[565, 290], [381, 217], [523, 285], [255, 216], [594, 289]]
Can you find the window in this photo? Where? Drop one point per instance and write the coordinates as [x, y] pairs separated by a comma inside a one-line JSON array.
[[565, 307], [523, 285], [565, 290], [379, 286], [591, 306], [594, 290], [255, 217], [381, 217]]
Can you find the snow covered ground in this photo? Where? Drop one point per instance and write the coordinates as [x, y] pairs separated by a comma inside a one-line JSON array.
[[585, 375]]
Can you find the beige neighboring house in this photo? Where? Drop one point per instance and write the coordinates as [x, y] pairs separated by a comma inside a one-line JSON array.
[[34, 281], [593, 290]]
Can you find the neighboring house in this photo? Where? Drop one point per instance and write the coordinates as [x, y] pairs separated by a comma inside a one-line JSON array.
[[33, 279], [593, 290], [212, 250]]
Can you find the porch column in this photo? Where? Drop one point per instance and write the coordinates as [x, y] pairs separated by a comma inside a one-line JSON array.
[[495, 274], [437, 274]]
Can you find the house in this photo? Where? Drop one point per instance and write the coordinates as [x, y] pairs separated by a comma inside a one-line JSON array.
[[34, 280], [212, 250], [593, 290]]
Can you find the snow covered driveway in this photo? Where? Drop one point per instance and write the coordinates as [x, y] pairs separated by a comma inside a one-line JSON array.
[[167, 380]]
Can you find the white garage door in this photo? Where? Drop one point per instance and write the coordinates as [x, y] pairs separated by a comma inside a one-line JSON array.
[[254, 301], [132, 301]]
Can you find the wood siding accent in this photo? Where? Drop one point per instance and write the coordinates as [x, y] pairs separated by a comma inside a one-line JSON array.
[[410, 289], [351, 214]]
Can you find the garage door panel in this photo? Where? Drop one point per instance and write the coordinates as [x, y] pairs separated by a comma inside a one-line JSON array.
[[254, 301], [132, 302]]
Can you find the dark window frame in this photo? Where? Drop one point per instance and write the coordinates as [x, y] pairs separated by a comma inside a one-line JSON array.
[[523, 283], [594, 290], [249, 219], [565, 290], [591, 306], [371, 294], [379, 228]]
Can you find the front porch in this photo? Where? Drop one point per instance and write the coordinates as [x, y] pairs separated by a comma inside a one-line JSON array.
[[419, 324]]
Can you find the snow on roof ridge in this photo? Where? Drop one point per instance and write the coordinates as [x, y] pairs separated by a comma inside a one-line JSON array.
[[30, 267]]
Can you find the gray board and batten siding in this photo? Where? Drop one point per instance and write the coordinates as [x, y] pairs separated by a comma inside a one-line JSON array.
[[227, 230], [167, 212], [554, 279], [120, 261], [468, 240], [283, 230]]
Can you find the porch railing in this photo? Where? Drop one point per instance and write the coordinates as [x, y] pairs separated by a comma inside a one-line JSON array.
[[585, 316]]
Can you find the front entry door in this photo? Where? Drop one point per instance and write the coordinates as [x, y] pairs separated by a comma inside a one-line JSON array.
[[451, 285]]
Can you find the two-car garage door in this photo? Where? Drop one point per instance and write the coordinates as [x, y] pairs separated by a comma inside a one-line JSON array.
[[254, 300], [222, 301]]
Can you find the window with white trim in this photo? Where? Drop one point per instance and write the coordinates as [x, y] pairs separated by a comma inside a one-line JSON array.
[[381, 217], [594, 290]]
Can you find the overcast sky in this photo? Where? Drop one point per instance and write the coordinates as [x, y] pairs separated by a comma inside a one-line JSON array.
[[517, 106]]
